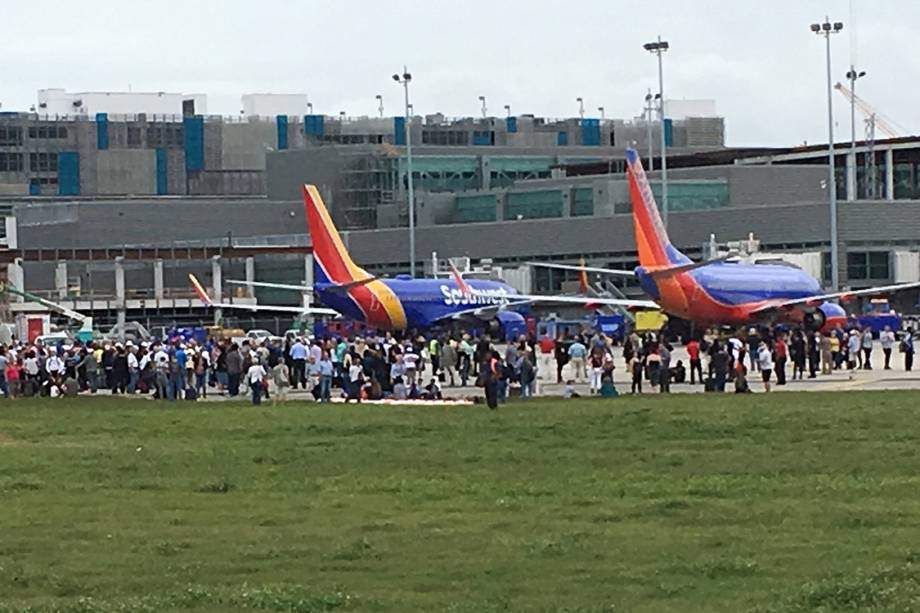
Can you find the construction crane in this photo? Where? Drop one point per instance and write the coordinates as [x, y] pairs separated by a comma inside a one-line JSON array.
[[870, 113]]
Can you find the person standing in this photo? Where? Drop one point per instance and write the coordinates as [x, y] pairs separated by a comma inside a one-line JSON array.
[[854, 346], [814, 354], [449, 360], [907, 347], [696, 365], [826, 354], [867, 342], [765, 362], [254, 377], [490, 374], [234, 362], [134, 372], [781, 351], [466, 358], [664, 353], [281, 375], [799, 351], [547, 350], [577, 354], [355, 379], [298, 355], [887, 340], [326, 372], [120, 374], [720, 364]]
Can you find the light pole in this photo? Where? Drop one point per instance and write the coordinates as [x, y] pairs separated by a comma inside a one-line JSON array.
[[826, 29], [310, 108], [650, 109], [600, 110], [581, 107], [404, 80], [852, 75], [658, 47], [508, 109], [379, 98], [482, 100]]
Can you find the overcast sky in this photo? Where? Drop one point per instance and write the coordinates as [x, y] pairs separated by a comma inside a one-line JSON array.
[[757, 59]]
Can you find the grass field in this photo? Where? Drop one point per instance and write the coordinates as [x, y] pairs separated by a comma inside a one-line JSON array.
[[789, 502]]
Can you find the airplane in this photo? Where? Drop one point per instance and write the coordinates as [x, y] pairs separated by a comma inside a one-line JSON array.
[[719, 291], [404, 302]]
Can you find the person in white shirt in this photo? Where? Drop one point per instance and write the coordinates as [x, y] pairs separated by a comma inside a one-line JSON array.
[[765, 363], [134, 371], [887, 340], [254, 377], [54, 365]]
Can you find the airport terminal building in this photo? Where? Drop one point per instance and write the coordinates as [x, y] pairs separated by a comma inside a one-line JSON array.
[[130, 204]]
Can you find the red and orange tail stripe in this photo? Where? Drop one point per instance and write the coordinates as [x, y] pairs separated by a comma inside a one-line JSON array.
[[463, 285], [199, 289], [379, 303], [582, 277], [651, 238]]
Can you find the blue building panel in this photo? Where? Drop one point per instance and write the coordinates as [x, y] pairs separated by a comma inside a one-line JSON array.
[[313, 125], [590, 132], [482, 138], [668, 132], [69, 173], [102, 131], [282, 121], [511, 124], [194, 142], [562, 139], [399, 130], [35, 187], [162, 172]]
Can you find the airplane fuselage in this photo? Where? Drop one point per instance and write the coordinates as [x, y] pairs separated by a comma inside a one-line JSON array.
[[404, 303], [729, 293]]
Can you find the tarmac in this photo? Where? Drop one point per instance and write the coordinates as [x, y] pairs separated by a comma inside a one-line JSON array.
[[876, 379]]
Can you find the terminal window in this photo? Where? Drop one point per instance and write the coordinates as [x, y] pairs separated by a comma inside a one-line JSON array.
[[45, 132], [43, 162], [10, 135], [868, 265], [10, 162]]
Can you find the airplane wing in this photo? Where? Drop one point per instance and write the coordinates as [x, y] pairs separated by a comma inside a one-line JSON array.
[[483, 312], [203, 295], [603, 271], [335, 287], [621, 302], [653, 272], [819, 298], [299, 288]]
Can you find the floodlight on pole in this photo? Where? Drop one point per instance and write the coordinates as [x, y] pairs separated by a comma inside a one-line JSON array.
[[482, 100], [310, 108], [379, 98], [508, 110], [600, 110], [826, 29], [581, 107], [658, 47], [852, 76], [404, 80]]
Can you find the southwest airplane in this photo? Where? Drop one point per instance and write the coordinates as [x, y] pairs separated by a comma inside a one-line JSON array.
[[403, 302], [719, 291]]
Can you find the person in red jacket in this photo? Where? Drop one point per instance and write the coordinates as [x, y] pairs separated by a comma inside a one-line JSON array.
[[696, 366], [780, 354]]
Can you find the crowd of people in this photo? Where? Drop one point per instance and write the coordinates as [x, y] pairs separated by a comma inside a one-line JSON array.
[[418, 367]]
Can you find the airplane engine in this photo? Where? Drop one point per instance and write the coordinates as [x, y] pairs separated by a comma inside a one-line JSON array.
[[815, 320], [507, 325]]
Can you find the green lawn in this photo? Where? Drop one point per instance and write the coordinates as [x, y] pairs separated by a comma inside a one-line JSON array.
[[788, 502]]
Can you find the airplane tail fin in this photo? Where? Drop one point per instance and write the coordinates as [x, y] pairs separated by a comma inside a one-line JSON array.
[[654, 246], [199, 290], [461, 283], [332, 262], [582, 277]]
